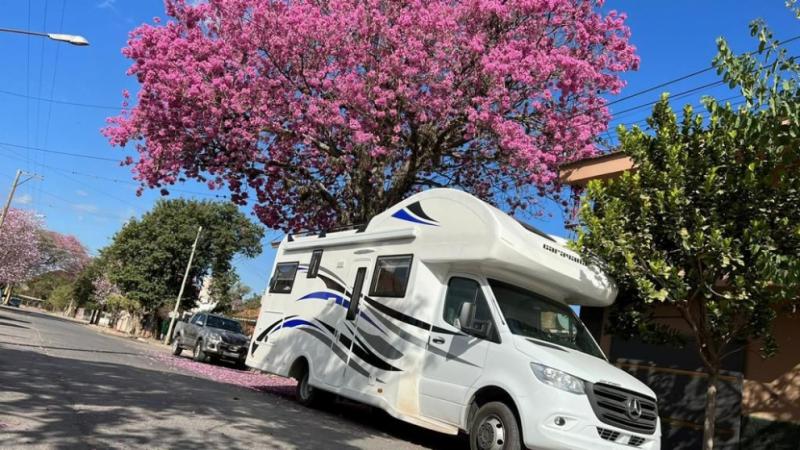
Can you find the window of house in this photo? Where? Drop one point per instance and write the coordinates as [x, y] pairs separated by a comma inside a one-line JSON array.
[[283, 279], [391, 276], [313, 266]]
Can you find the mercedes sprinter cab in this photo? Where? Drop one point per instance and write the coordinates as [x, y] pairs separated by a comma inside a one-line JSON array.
[[449, 314]]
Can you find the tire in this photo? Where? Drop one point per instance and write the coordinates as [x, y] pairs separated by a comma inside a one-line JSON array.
[[198, 353], [306, 394], [495, 427], [176, 346]]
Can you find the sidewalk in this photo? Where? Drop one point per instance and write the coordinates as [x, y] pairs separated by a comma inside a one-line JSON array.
[[112, 332], [104, 330]]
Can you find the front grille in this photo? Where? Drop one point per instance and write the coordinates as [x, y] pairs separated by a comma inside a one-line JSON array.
[[611, 405], [609, 435], [636, 441]]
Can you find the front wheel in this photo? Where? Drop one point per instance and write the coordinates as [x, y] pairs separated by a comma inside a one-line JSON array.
[[198, 353], [176, 346], [495, 428]]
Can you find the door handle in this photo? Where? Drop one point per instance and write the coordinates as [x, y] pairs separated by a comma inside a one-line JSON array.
[[438, 340]]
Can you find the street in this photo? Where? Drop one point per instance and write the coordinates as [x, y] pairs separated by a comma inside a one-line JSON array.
[[64, 385]]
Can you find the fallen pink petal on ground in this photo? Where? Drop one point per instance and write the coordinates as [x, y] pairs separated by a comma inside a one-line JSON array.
[[244, 378]]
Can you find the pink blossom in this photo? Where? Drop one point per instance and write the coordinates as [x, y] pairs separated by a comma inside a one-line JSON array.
[[315, 105], [20, 253], [244, 378]]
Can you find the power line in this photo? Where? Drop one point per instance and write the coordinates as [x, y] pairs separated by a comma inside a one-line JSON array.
[[116, 180], [60, 102], [687, 76], [77, 155]]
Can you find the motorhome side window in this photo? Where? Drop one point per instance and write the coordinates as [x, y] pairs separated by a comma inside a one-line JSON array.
[[465, 290], [313, 266], [283, 280], [391, 276]]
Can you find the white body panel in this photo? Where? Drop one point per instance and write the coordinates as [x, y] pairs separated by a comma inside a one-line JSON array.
[[400, 354]]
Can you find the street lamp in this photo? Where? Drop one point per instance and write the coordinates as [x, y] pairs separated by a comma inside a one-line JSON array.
[[73, 39]]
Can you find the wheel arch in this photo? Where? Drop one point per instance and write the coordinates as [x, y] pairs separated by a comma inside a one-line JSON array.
[[487, 394], [299, 365]]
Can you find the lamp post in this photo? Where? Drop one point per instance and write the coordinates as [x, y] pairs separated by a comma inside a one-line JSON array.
[[73, 39]]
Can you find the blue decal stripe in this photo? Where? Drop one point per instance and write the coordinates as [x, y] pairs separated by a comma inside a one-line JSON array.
[[322, 295], [402, 214], [298, 322]]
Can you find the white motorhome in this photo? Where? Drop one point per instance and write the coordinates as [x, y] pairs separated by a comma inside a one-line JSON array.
[[449, 314]]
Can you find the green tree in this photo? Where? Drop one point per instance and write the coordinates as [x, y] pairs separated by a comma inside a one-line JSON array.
[[228, 291], [43, 285], [709, 221], [147, 258], [61, 297], [83, 286]]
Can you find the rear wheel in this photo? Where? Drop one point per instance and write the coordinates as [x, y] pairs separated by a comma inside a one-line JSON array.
[[495, 427], [198, 353], [176, 346], [306, 394]]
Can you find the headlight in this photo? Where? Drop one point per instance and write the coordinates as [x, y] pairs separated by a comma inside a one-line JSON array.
[[214, 338], [558, 379]]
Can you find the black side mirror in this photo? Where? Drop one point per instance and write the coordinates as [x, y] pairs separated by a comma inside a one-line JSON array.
[[466, 315], [466, 318]]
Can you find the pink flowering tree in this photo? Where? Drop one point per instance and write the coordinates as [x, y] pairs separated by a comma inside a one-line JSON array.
[[104, 289], [19, 250], [326, 112], [61, 252]]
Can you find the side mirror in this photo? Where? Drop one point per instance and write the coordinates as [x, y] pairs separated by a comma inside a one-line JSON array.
[[466, 318], [466, 315]]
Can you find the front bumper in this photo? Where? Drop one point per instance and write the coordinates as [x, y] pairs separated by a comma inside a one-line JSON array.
[[581, 429], [225, 350]]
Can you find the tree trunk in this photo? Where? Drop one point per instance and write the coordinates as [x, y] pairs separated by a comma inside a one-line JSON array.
[[69, 310], [710, 421]]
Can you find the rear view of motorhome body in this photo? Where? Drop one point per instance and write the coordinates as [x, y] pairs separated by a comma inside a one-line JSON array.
[[449, 314]]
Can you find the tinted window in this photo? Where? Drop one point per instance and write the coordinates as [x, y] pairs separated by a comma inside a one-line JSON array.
[[313, 266], [355, 297], [535, 316], [198, 319], [224, 324], [283, 279], [391, 276], [465, 290]]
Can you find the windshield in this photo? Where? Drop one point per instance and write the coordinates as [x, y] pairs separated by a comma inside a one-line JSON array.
[[535, 316], [224, 324]]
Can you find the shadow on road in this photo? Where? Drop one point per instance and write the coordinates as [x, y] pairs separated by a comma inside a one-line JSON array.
[[70, 349], [13, 325], [62, 402], [40, 315], [13, 319]]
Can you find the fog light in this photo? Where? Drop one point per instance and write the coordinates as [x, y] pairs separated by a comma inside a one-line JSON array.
[[560, 421]]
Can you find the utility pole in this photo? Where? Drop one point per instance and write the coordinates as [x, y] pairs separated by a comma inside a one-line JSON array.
[[7, 293], [14, 185], [168, 337], [10, 197]]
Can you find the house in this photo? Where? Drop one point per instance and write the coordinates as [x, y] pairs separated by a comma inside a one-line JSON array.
[[759, 398]]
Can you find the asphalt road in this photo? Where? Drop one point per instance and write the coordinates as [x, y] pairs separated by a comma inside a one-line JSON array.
[[64, 385]]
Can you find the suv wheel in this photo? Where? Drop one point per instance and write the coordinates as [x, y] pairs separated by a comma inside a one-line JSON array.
[[176, 346], [494, 428], [198, 353]]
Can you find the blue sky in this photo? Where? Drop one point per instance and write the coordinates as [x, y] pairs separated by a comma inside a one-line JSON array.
[[91, 198]]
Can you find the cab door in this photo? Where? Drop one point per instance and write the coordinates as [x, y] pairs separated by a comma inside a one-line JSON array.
[[456, 354]]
